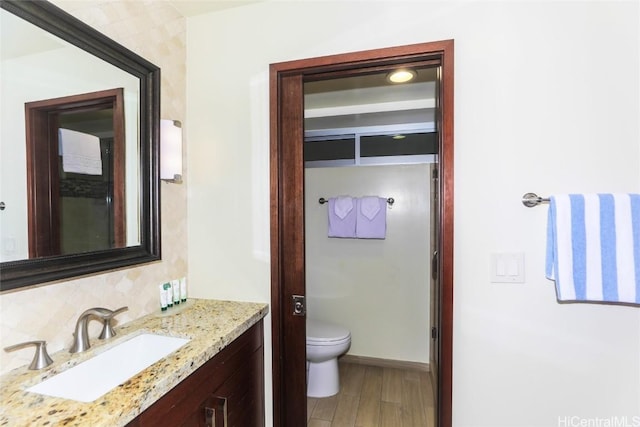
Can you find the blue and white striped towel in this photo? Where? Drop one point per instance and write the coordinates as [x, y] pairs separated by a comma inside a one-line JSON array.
[[593, 247]]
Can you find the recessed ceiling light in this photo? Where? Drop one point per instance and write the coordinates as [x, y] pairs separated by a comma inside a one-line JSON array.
[[402, 75], [399, 136]]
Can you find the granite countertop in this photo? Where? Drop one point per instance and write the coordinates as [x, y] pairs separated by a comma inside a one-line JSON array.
[[209, 324]]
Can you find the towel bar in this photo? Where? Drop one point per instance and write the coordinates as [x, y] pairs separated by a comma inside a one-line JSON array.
[[532, 199], [390, 201]]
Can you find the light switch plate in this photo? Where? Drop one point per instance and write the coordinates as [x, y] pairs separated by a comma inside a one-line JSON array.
[[507, 267]]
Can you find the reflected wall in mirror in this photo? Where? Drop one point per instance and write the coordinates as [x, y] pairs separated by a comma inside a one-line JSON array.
[[62, 80]]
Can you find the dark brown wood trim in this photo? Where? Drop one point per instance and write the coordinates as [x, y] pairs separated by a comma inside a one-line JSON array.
[[276, 322], [288, 251], [445, 377], [285, 206], [41, 121], [39, 196], [277, 369], [119, 170], [366, 59]]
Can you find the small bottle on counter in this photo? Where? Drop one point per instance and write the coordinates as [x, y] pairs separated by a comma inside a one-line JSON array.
[[164, 296], [175, 285], [169, 289], [183, 289]]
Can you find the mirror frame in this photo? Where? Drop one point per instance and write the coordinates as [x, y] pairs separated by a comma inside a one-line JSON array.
[[20, 273]]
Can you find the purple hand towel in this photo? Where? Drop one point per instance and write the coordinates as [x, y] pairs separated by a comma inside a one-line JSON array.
[[372, 218], [342, 219]]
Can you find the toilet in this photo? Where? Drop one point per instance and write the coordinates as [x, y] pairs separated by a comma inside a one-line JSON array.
[[325, 342]]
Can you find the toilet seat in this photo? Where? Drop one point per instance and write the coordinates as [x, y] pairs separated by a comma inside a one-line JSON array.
[[324, 333]]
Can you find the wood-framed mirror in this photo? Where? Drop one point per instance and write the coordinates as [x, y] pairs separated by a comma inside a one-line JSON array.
[[63, 75]]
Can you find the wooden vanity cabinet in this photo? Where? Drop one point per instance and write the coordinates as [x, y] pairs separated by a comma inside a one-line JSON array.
[[226, 391]]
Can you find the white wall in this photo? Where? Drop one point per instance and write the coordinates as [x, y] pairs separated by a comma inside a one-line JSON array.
[[378, 289], [546, 100]]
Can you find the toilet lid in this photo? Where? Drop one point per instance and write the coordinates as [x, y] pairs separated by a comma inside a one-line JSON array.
[[318, 331]]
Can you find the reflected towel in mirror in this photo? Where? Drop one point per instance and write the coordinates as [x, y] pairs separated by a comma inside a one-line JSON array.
[[80, 152]]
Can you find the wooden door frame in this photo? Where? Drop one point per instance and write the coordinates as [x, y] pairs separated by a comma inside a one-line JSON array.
[[287, 215], [41, 122]]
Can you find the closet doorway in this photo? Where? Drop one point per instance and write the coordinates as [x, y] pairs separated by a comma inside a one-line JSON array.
[[288, 210]]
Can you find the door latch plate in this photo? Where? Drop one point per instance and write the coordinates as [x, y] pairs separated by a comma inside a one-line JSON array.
[[299, 308]]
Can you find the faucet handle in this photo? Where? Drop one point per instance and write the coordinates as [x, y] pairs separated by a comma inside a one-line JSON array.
[[107, 329], [41, 359]]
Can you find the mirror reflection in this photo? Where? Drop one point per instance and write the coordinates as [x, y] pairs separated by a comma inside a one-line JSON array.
[[69, 146]]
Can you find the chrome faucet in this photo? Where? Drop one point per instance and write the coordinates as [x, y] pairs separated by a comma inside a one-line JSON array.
[[81, 335]]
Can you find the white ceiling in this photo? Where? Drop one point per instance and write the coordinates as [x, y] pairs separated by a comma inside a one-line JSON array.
[[34, 40], [196, 7]]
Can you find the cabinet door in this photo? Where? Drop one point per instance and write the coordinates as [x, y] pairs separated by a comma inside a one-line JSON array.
[[228, 390], [243, 391]]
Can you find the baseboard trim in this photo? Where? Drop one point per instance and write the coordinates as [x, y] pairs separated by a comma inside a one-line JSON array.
[[384, 363]]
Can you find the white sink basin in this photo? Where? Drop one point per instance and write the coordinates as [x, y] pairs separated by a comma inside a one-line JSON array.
[[91, 379]]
